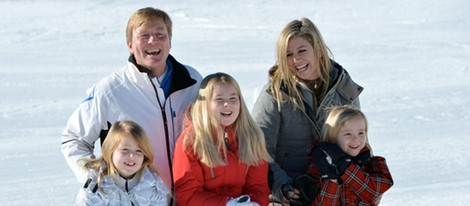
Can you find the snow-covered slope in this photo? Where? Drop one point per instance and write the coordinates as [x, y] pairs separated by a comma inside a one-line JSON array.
[[412, 57]]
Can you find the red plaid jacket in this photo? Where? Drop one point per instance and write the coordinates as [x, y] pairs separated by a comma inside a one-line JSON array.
[[361, 186]]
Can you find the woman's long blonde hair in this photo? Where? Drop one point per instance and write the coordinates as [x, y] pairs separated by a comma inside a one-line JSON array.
[[283, 76], [118, 132], [205, 137], [336, 118]]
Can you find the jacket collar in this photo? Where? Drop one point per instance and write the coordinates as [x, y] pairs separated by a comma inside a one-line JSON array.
[[180, 76], [138, 182]]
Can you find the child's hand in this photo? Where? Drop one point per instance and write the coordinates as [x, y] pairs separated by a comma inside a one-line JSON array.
[[330, 160], [361, 158], [323, 161]]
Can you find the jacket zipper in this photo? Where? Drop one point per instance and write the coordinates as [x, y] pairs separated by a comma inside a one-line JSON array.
[[127, 191], [165, 124]]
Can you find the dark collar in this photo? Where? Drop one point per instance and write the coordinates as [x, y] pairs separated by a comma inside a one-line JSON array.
[[180, 78]]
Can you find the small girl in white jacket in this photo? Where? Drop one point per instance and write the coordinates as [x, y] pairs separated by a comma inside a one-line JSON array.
[[125, 174]]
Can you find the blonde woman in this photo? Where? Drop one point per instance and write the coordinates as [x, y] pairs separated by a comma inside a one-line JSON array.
[[125, 174], [343, 162], [291, 108], [221, 157]]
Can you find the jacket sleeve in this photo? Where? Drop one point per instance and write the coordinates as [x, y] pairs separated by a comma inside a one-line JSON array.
[[189, 180], [268, 117], [82, 130], [371, 182], [257, 184], [329, 194]]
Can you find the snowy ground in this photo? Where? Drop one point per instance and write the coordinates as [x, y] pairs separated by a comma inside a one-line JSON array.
[[412, 57]]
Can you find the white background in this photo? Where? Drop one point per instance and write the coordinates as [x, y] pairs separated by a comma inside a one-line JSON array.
[[411, 56]]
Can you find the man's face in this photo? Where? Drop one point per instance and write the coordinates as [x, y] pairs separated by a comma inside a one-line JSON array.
[[151, 46]]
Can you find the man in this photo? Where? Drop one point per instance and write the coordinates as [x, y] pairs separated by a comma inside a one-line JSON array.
[[153, 89]]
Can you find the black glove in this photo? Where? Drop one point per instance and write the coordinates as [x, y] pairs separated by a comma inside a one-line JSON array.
[[361, 158], [288, 194], [330, 160], [323, 164], [308, 189]]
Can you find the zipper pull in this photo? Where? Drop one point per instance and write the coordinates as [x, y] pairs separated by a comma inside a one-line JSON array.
[[226, 140]]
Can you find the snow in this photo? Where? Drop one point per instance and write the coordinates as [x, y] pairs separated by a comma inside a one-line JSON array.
[[412, 57]]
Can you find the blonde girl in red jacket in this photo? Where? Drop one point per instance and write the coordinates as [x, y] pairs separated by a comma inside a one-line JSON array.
[[343, 162], [221, 157]]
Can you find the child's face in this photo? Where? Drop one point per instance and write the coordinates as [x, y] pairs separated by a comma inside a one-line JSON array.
[[225, 103], [128, 158], [352, 136]]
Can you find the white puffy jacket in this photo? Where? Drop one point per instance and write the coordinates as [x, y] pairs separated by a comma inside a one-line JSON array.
[[129, 94], [149, 189]]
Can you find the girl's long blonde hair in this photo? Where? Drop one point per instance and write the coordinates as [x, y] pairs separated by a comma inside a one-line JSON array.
[[118, 132], [283, 76], [336, 118], [205, 137]]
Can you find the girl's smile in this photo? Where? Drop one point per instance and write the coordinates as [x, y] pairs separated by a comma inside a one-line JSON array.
[[128, 157], [352, 136], [225, 103]]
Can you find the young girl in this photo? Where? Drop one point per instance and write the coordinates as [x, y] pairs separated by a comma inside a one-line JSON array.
[[122, 176], [220, 158], [343, 162]]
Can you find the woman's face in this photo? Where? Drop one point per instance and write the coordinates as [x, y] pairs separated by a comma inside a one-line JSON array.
[[128, 158], [352, 136], [301, 59], [225, 103]]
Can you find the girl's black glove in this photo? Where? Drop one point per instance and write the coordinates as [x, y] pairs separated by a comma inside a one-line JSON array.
[[330, 160], [361, 158]]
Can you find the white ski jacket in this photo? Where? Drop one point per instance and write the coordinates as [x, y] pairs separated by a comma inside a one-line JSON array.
[[149, 189], [130, 94]]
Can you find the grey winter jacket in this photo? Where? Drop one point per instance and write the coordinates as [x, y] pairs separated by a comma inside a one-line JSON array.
[[148, 190], [291, 132]]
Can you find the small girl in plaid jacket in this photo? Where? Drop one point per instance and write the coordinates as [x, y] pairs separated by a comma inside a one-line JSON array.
[[343, 164]]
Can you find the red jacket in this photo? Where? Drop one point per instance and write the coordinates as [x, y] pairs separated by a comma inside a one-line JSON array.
[[195, 183], [361, 186]]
